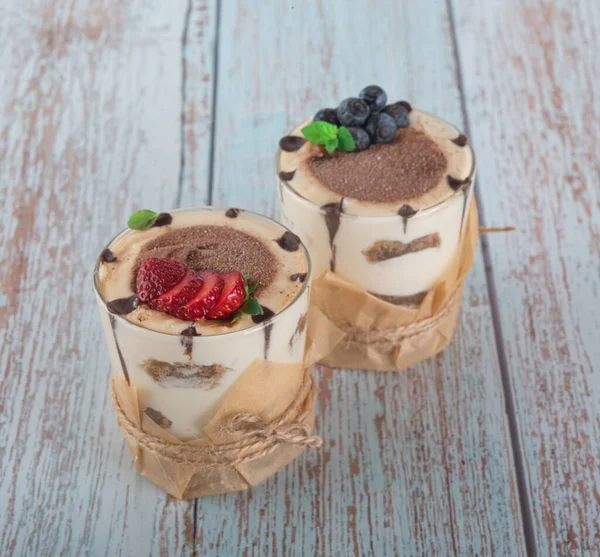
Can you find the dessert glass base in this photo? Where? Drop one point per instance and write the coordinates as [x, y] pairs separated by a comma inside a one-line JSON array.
[[246, 442], [391, 231], [209, 407], [366, 332]]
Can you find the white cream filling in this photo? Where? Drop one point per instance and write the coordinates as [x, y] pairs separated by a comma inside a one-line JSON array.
[[115, 278]]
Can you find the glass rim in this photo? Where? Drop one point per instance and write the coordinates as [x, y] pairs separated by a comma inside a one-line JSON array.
[[203, 338], [420, 212]]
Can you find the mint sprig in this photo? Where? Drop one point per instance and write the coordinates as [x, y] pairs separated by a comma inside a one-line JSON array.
[[142, 220], [250, 305], [332, 136], [346, 140]]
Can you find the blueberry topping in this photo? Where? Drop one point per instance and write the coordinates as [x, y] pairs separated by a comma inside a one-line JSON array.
[[382, 128], [327, 115], [232, 213], [361, 138], [405, 105], [399, 113], [353, 112], [374, 96]]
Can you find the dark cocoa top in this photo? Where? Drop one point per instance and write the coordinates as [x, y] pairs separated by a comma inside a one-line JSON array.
[[407, 168], [218, 248]]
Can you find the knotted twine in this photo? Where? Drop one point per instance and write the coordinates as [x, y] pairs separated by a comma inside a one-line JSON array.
[[256, 438], [416, 330]]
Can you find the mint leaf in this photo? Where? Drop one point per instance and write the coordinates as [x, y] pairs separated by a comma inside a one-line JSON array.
[[346, 140], [320, 132], [252, 307], [324, 133], [250, 288], [142, 220], [332, 144]]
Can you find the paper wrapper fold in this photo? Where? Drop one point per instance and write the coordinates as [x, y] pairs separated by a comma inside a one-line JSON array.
[[263, 423], [359, 330]]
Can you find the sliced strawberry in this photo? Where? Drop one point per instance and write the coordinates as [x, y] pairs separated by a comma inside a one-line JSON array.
[[232, 296], [156, 276], [175, 297], [205, 299]]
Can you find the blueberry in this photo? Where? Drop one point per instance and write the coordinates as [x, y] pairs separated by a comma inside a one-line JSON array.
[[398, 112], [382, 128], [374, 96], [361, 138], [327, 115], [353, 112]]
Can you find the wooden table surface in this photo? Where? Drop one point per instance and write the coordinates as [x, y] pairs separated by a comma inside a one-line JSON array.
[[108, 106]]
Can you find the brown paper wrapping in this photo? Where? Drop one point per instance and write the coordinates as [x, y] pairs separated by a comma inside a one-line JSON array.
[[266, 391], [358, 330]]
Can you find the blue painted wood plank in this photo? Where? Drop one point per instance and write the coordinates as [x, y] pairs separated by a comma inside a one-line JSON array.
[[198, 60], [532, 78], [416, 463], [89, 132]]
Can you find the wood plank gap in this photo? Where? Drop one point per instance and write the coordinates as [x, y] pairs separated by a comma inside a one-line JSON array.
[[194, 549], [517, 452], [213, 123], [184, 41], [447, 475]]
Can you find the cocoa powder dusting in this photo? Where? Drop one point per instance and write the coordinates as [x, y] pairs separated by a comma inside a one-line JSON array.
[[218, 248], [407, 168]]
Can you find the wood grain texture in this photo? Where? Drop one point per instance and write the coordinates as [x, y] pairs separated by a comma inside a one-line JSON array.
[[89, 132], [198, 55], [108, 106], [531, 77], [416, 463]]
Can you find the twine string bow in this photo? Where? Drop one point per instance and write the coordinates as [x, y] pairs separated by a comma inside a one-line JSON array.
[[255, 437], [253, 427], [413, 330]]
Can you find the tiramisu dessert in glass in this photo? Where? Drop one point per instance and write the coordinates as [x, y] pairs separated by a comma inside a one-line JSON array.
[[189, 300], [380, 193]]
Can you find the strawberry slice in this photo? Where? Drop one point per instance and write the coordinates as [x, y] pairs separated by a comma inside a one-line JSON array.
[[167, 285], [156, 276], [205, 299], [232, 297], [175, 297]]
